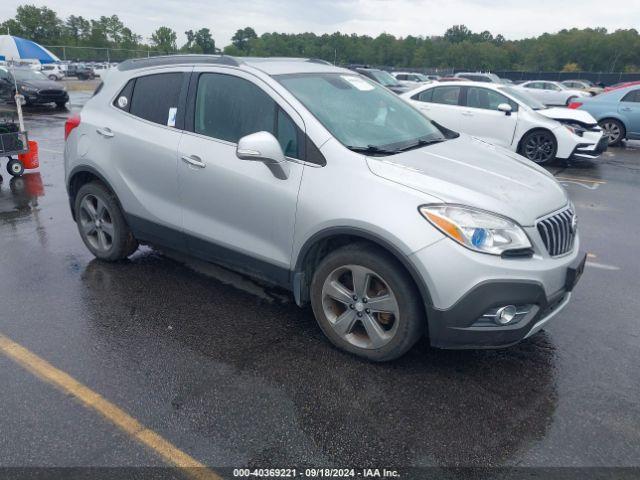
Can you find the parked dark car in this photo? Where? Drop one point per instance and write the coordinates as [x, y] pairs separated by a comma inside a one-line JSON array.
[[33, 85], [81, 71], [383, 78]]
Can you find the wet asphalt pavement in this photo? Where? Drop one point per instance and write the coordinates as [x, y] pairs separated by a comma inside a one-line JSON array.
[[234, 374]]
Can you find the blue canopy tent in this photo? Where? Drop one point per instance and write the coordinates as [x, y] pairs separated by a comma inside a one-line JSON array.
[[16, 48]]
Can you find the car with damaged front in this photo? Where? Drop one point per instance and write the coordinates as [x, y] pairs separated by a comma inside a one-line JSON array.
[[316, 179], [508, 117]]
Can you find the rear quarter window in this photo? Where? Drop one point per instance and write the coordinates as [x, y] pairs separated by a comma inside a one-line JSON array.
[[155, 97]]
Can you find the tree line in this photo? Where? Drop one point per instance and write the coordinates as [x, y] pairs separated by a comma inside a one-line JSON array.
[[590, 49]]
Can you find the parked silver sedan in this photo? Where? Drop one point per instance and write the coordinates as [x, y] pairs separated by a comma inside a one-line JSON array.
[[551, 93]]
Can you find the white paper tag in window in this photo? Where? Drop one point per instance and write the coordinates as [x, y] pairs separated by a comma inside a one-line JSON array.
[[358, 82], [171, 121]]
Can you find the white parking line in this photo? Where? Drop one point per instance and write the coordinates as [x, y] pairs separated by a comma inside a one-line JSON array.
[[602, 266], [49, 150]]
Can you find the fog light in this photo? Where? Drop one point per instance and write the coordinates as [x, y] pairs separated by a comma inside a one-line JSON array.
[[505, 315]]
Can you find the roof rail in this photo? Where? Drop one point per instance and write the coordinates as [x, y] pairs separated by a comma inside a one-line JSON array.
[[136, 63]]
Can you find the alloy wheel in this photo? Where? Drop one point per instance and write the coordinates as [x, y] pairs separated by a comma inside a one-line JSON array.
[[96, 223], [360, 306], [611, 131], [539, 147]]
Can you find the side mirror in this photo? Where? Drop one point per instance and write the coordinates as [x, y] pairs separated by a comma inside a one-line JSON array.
[[264, 147], [506, 108]]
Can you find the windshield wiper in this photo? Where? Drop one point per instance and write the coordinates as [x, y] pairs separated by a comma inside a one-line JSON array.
[[371, 149], [420, 143]]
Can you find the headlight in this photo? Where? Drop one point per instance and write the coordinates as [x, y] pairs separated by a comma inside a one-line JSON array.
[[28, 89], [475, 229], [575, 129]]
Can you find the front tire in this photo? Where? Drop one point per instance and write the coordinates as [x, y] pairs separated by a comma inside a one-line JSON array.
[[101, 223], [61, 105], [53, 77], [366, 303], [614, 130], [539, 146]]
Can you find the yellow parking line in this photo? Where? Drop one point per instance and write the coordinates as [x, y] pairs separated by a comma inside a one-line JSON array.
[[574, 179], [44, 370]]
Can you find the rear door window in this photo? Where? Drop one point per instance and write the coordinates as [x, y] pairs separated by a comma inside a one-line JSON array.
[[155, 97], [446, 95], [424, 96], [632, 96]]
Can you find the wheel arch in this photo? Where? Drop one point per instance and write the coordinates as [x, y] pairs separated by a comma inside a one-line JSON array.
[[321, 243], [614, 116], [535, 129], [80, 176]]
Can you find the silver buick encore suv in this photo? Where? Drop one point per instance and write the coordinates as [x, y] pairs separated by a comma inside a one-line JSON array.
[[318, 180]]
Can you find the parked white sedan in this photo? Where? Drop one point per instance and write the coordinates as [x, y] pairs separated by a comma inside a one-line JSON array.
[[508, 117], [551, 93]]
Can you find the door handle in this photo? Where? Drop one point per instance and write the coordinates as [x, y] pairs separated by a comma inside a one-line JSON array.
[[105, 132], [193, 160], [467, 114], [626, 109]]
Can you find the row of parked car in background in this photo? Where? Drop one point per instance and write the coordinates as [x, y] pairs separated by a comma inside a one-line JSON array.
[[60, 70], [540, 119]]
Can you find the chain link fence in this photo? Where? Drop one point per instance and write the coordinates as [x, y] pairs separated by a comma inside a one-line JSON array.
[[99, 54]]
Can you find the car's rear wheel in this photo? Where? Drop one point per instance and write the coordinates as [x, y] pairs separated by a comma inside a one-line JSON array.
[[570, 100], [101, 223], [53, 77], [366, 303], [539, 146], [613, 129]]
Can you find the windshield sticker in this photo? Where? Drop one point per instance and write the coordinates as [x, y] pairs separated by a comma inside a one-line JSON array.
[[171, 121], [358, 82]]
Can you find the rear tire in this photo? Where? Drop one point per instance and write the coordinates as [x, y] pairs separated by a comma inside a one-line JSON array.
[[101, 223], [53, 77], [614, 130], [539, 146], [570, 99], [61, 105], [366, 303]]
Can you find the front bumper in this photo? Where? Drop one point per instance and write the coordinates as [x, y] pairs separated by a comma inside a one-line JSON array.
[[591, 151], [38, 98], [465, 287]]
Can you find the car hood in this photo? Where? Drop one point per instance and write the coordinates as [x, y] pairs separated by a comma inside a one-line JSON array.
[[42, 84], [472, 172], [568, 114]]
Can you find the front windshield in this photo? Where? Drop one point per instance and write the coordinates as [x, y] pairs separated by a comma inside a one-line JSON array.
[[422, 78], [361, 114], [524, 98], [384, 78], [27, 74]]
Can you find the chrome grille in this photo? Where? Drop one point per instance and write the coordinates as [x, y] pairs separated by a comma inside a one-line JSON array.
[[558, 232]]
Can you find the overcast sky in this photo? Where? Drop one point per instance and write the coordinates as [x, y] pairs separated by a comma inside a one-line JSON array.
[[513, 18]]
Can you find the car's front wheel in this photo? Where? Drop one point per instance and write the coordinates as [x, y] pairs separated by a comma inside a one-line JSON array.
[[539, 146], [613, 129], [366, 303], [101, 223]]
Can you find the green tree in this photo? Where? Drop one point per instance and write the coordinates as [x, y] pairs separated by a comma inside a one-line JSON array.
[[77, 28], [40, 24], [164, 39], [199, 42], [243, 37]]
